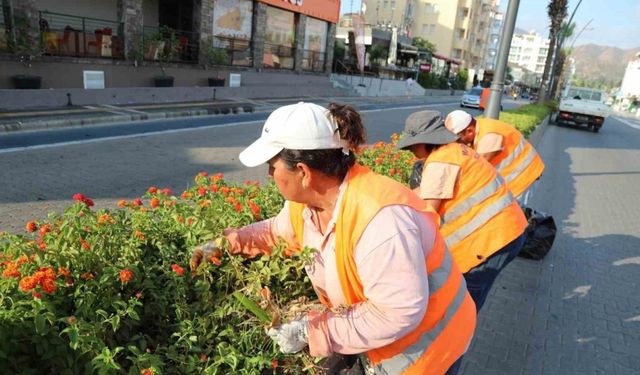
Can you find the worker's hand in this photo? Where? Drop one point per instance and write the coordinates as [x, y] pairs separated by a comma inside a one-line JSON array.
[[206, 252], [291, 337]]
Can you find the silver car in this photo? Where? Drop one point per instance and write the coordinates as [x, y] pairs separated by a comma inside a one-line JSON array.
[[471, 98]]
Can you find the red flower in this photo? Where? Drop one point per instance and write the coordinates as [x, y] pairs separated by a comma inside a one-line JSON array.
[[126, 276], [48, 286], [36, 295], [255, 209], [63, 271], [202, 191], [237, 207], [274, 363], [137, 202], [152, 190], [81, 198], [177, 269], [148, 371], [87, 276], [31, 226], [217, 177], [166, 191], [215, 260], [44, 230], [203, 174], [154, 202], [78, 197], [214, 188], [85, 244]]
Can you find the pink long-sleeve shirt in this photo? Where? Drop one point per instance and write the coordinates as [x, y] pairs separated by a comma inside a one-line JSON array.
[[390, 258]]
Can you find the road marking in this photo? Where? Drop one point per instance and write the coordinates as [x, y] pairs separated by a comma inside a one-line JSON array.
[[124, 109], [635, 126], [174, 131]]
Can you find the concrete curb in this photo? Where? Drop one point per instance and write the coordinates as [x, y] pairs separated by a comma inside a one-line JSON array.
[[64, 123], [536, 135]]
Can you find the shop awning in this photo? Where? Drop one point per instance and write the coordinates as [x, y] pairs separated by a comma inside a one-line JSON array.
[[407, 48]]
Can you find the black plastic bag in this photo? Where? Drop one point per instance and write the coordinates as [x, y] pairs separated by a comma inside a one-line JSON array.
[[342, 364], [416, 174], [540, 234]]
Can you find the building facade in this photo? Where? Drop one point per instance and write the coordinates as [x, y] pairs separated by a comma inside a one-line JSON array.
[[631, 80], [291, 35], [460, 29], [529, 51]]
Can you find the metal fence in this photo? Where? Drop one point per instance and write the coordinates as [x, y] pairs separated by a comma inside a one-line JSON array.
[[232, 51], [170, 45], [67, 35], [313, 60], [278, 56]]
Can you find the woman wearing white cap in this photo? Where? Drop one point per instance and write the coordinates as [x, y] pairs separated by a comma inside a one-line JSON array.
[[392, 292]]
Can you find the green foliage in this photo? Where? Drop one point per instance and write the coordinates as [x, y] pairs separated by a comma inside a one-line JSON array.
[[214, 55], [461, 79], [433, 81], [525, 118], [108, 291], [423, 44], [376, 53]]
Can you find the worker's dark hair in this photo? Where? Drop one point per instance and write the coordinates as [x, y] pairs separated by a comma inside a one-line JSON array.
[[333, 162]]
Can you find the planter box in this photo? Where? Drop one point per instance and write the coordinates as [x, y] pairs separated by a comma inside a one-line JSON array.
[[219, 82], [163, 81], [23, 82]]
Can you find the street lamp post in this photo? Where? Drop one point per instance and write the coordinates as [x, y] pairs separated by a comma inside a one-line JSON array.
[[493, 104]]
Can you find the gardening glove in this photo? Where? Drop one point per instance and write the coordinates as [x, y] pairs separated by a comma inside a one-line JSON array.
[[291, 337], [206, 251]]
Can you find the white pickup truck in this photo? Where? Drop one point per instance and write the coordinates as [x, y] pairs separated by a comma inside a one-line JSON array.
[[583, 106]]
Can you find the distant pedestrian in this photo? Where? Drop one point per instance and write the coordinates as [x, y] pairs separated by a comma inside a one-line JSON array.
[[409, 82]]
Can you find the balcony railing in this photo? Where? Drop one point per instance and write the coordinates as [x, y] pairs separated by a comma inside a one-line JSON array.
[[238, 52], [67, 35], [169, 45], [313, 60], [278, 56]]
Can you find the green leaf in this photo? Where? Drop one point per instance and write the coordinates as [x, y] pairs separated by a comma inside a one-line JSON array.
[[252, 307], [40, 324]]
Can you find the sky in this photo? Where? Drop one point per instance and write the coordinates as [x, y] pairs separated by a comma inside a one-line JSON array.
[[615, 22]]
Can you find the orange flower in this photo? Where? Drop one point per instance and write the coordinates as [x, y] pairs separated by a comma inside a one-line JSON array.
[[205, 203], [137, 202], [63, 271], [48, 286], [154, 202], [203, 174], [72, 319], [214, 188], [122, 203], [216, 177], [237, 207], [105, 218], [177, 269], [186, 195], [180, 219], [87, 276], [203, 357], [274, 363], [139, 234], [27, 283], [152, 190], [148, 371], [225, 190], [202, 191], [22, 260], [11, 271], [44, 230], [31, 226], [126, 276], [215, 260], [166, 191]]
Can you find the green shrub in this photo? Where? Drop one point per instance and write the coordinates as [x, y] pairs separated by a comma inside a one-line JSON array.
[[525, 118]]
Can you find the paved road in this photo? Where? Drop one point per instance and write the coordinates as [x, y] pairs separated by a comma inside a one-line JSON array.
[[42, 178], [578, 310]]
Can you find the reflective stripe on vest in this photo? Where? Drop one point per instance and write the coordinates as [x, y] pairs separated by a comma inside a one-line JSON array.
[[400, 362], [509, 159], [478, 197], [525, 163], [482, 217]]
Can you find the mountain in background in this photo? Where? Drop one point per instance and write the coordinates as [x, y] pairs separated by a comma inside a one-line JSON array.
[[603, 64]]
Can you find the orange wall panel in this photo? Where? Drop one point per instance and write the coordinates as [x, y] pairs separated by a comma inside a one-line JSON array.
[[327, 10]]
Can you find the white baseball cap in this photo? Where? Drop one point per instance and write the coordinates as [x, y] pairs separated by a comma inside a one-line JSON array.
[[457, 121], [301, 126]]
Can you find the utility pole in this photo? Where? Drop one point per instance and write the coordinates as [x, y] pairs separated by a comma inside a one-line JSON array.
[[493, 105]]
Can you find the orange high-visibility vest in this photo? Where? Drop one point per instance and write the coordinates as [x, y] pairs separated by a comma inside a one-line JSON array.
[[518, 162], [448, 324], [484, 98], [482, 217]]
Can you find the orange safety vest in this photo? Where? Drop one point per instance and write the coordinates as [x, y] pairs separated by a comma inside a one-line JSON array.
[[448, 324], [518, 162], [482, 217], [484, 98]]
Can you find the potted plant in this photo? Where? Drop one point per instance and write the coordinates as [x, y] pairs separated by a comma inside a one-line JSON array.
[[214, 56], [26, 47], [166, 38]]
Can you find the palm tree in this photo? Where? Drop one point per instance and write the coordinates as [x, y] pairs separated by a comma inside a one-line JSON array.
[[566, 31], [557, 11]]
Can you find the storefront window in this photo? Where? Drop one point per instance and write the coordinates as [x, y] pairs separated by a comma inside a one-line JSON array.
[[315, 44], [232, 32], [279, 39]]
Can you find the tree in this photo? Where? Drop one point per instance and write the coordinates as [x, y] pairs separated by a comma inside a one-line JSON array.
[[423, 44], [557, 12], [376, 53], [566, 31]]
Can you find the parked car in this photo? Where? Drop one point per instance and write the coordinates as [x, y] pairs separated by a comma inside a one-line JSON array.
[[582, 106], [471, 98]]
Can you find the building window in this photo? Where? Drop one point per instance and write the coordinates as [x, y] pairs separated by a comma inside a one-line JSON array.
[[430, 8], [315, 44], [460, 33], [279, 38]]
